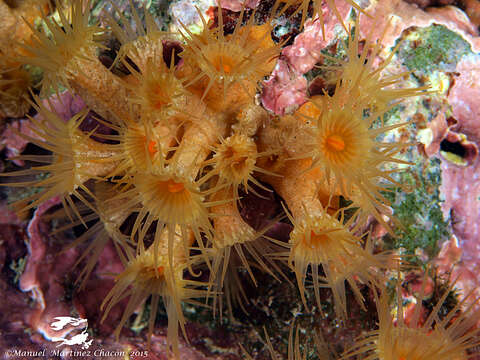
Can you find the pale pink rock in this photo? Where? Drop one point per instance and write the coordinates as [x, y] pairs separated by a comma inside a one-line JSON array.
[[439, 128], [43, 275], [304, 53], [238, 5], [464, 97], [461, 184], [284, 91], [403, 16], [14, 143], [64, 106], [449, 255]]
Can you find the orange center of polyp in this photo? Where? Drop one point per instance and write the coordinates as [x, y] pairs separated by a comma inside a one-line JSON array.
[[159, 96], [158, 271], [152, 147], [315, 240], [335, 143], [174, 187], [229, 152], [159, 104], [151, 272], [223, 63], [239, 163]]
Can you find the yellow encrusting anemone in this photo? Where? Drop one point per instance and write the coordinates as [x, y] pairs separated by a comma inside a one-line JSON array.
[[73, 161], [438, 336], [70, 46], [344, 146], [149, 273], [219, 62], [323, 242]]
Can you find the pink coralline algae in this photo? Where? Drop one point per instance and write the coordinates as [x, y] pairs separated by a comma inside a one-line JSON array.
[[404, 16], [238, 5], [304, 53], [43, 274], [286, 89], [12, 142], [438, 127], [66, 106], [461, 184]]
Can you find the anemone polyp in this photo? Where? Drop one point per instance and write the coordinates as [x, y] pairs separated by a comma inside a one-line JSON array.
[[343, 140], [171, 199], [223, 60], [174, 203], [322, 240], [141, 149], [438, 335], [156, 88], [234, 161], [345, 136], [142, 145], [236, 157], [148, 273], [73, 160], [70, 43], [344, 146], [368, 82]]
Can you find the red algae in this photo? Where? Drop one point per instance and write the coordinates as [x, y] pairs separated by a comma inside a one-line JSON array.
[[286, 89]]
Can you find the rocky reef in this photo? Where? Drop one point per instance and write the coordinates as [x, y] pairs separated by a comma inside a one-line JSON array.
[[268, 179]]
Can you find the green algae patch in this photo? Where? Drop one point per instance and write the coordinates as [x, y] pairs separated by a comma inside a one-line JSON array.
[[432, 48], [18, 268], [419, 211]]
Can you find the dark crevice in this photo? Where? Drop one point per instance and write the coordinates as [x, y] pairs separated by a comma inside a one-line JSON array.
[[171, 49], [453, 147], [107, 58]]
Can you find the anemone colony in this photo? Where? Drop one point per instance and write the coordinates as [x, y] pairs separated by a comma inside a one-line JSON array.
[[188, 134]]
